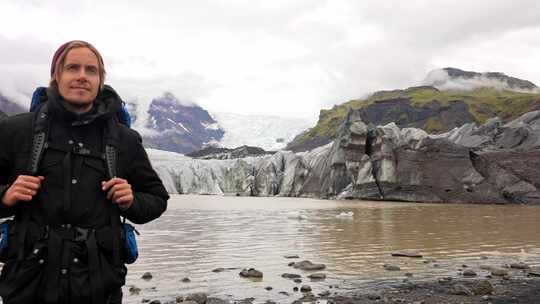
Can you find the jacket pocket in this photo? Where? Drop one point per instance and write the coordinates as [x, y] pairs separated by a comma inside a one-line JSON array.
[[20, 281]]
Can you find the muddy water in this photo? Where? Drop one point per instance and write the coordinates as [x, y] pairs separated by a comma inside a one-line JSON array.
[[198, 234]]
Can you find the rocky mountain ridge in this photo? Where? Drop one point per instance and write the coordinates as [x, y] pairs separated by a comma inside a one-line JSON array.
[[429, 108]]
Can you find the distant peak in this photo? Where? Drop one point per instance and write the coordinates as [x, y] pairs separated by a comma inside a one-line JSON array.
[[456, 79], [169, 98]]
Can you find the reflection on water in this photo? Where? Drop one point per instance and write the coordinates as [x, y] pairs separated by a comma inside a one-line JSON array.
[[200, 233]]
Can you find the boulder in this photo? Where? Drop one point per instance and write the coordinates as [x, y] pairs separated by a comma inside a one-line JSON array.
[[317, 276], [483, 287], [251, 273], [308, 265]]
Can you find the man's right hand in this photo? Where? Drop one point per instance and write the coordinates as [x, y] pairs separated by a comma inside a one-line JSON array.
[[23, 189]]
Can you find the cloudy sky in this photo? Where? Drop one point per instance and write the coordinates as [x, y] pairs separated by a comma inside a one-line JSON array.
[[279, 57]]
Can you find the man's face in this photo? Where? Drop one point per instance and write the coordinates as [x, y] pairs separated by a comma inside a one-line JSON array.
[[78, 79]]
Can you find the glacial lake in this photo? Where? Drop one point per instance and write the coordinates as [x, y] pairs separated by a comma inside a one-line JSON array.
[[198, 234]]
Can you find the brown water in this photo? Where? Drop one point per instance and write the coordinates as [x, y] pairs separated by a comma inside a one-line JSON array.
[[200, 233]]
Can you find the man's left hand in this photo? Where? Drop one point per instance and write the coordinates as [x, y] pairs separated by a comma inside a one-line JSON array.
[[119, 192]]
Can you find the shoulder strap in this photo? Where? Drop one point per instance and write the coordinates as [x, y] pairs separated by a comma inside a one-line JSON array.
[[39, 140], [111, 158]]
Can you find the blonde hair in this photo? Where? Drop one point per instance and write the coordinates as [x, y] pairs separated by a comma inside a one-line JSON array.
[[60, 58]]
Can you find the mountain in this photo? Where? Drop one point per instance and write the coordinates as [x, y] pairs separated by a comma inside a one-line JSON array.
[[449, 99], [264, 131], [8, 107], [174, 126]]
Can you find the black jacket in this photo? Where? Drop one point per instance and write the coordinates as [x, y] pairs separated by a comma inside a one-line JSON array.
[[88, 201], [71, 194]]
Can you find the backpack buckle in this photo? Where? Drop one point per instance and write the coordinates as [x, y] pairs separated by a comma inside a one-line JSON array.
[[81, 234], [81, 150]]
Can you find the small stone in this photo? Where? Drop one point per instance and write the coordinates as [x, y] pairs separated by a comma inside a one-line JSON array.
[[291, 276], [461, 290], [445, 280], [317, 276], [145, 300], [407, 253], [218, 270], [268, 288], [298, 281], [295, 288], [291, 264], [408, 274], [373, 296], [134, 290], [486, 298], [430, 260], [484, 257], [325, 293], [292, 256], [469, 273], [483, 287], [155, 302], [305, 288], [391, 267], [251, 273], [216, 301], [519, 265], [308, 265], [499, 272], [464, 266], [147, 276], [199, 297], [186, 280]]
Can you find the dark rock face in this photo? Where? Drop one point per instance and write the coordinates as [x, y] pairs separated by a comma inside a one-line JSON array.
[[494, 163], [225, 153], [182, 128], [402, 113]]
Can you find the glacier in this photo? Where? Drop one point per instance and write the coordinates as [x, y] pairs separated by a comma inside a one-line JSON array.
[[493, 163]]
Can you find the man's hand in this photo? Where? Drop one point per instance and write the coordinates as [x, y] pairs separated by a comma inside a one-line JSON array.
[[23, 189], [119, 192]]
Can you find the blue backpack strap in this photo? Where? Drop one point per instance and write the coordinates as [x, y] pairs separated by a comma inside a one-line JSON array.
[[38, 97], [123, 116]]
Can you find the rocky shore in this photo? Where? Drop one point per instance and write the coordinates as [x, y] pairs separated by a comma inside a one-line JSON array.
[[487, 283]]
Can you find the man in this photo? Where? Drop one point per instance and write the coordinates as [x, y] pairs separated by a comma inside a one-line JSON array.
[[65, 240]]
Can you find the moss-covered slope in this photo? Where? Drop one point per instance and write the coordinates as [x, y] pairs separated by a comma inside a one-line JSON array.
[[423, 107]]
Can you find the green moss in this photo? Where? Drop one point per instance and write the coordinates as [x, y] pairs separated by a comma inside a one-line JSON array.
[[433, 125]]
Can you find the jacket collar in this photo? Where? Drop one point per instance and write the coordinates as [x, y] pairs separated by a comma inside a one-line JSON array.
[[106, 105]]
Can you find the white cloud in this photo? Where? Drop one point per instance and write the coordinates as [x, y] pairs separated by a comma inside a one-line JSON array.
[[287, 57]]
